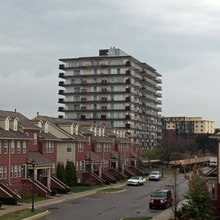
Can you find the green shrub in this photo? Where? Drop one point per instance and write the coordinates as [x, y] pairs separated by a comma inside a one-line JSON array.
[[54, 192], [60, 190], [9, 200]]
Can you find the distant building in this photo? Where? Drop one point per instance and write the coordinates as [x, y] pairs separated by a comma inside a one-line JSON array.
[[186, 128], [115, 89]]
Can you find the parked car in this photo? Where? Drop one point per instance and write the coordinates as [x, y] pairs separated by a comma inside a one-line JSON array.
[[161, 199], [155, 175], [136, 180]]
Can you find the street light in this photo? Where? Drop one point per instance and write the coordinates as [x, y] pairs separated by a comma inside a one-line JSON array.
[[33, 165]]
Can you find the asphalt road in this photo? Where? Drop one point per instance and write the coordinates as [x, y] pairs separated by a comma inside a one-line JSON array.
[[133, 202]]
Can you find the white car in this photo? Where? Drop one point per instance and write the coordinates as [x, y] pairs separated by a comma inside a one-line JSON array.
[[155, 175], [136, 180]]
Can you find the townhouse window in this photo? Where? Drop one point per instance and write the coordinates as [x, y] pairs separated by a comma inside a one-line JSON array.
[[5, 147], [12, 171], [19, 170], [15, 171], [80, 165], [35, 138], [24, 147], [5, 171], [47, 147], [7, 124], [80, 147], [52, 147], [18, 147], [12, 147], [15, 125], [53, 168], [77, 165], [68, 147], [1, 172]]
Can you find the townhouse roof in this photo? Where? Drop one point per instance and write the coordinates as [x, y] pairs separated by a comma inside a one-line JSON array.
[[135, 155], [47, 136], [24, 122], [39, 158], [93, 156], [122, 140], [10, 134], [100, 139], [57, 122], [117, 155]]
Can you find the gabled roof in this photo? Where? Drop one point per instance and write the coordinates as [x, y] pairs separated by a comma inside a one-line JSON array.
[[100, 139], [47, 136], [122, 140], [117, 155], [10, 134], [24, 122], [90, 155], [39, 158], [57, 123]]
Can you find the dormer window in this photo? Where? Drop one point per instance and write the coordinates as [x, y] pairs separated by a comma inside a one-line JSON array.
[[103, 131], [40, 124], [15, 125], [46, 127], [71, 129], [77, 129], [7, 124]]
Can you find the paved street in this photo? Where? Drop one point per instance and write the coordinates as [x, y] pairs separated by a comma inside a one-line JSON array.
[[130, 203]]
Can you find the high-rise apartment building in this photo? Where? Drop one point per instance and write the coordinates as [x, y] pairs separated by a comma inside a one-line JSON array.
[[116, 89]]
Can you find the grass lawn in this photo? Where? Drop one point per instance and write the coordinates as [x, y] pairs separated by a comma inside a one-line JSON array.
[[112, 189], [77, 189], [36, 199], [21, 214]]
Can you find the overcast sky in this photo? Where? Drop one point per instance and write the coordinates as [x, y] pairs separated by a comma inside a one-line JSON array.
[[179, 38]]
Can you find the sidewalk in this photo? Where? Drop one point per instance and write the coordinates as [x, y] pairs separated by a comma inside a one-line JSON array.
[[165, 215], [53, 200]]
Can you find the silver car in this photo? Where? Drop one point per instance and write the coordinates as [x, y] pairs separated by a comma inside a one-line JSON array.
[[136, 180], [155, 175]]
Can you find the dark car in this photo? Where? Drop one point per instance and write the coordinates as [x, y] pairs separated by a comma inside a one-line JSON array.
[[161, 199]]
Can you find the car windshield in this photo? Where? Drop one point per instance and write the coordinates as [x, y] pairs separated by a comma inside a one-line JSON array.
[[159, 194], [135, 177], [155, 172]]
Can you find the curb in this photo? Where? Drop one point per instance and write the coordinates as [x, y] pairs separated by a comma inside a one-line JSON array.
[[37, 216]]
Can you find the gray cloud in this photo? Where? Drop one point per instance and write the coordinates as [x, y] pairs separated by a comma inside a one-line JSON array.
[[178, 38]]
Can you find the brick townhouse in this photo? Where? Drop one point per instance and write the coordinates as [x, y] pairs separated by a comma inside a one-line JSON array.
[[25, 151], [32, 148], [99, 153]]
